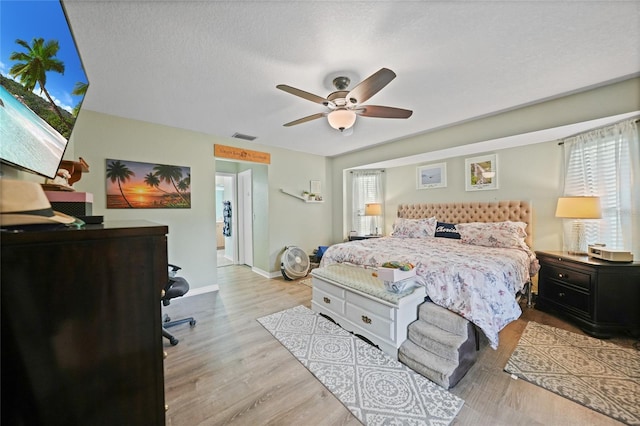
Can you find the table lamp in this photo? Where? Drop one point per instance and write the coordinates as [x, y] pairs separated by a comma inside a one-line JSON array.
[[373, 209], [578, 209]]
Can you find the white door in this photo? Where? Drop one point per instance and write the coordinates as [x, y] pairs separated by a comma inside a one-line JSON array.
[[245, 218]]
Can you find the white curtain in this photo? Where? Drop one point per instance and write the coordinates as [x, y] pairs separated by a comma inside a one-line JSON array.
[[367, 186], [606, 162]]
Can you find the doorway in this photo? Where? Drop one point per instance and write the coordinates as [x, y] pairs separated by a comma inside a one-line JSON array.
[[249, 207], [234, 218], [226, 228]]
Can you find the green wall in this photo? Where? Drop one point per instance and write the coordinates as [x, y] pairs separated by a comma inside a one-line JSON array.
[[531, 172]]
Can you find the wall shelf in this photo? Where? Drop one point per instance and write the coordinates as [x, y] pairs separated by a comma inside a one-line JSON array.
[[299, 197]]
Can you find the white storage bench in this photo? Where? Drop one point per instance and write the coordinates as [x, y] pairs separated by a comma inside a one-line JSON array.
[[357, 301]]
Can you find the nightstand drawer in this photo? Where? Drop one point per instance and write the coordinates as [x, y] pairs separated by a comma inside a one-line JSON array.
[[568, 276], [569, 297]]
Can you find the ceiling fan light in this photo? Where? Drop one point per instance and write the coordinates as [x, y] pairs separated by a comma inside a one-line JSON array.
[[341, 119]]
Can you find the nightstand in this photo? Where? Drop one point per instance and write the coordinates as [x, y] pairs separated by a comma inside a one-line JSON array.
[[602, 298], [362, 237]]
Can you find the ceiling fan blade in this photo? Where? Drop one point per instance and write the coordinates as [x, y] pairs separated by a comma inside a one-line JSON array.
[[305, 119], [383, 111], [305, 95], [372, 85]]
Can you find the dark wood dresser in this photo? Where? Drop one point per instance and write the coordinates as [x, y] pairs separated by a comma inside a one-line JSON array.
[[81, 325], [601, 297]]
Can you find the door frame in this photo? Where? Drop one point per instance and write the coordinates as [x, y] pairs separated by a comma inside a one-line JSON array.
[[245, 217]]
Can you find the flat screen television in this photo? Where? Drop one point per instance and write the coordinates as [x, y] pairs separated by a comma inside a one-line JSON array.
[[42, 84]]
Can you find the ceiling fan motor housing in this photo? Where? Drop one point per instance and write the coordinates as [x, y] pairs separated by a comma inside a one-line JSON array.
[[341, 83]]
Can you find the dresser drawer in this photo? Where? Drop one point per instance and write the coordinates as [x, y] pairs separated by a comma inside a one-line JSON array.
[[328, 288], [329, 301], [364, 319], [370, 305], [567, 275], [569, 297]]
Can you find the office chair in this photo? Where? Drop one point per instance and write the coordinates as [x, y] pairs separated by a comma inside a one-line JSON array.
[[176, 287]]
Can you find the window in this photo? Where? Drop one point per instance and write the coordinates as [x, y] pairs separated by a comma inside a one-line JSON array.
[[366, 187], [606, 163]]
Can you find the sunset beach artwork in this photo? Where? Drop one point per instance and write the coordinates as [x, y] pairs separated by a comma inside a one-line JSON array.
[[136, 185]]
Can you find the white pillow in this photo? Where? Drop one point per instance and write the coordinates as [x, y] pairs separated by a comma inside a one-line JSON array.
[[414, 228], [493, 234]]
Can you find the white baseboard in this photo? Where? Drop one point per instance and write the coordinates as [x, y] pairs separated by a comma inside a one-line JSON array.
[[265, 273], [202, 290], [216, 287]]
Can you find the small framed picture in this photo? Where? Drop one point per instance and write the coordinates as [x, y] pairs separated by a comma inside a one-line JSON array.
[[432, 176], [315, 187], [481, 173]]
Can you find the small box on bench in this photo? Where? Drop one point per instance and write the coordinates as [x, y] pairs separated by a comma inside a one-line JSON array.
[[395, 274]]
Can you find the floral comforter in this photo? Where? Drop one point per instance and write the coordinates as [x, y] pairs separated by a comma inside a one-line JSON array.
[[480, 283]]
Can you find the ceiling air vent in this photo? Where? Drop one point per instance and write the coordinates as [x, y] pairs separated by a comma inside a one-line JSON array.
[[241, 136]]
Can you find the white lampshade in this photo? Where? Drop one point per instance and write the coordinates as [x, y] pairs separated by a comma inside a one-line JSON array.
[[341, 119], [579, 208], [373, 209]]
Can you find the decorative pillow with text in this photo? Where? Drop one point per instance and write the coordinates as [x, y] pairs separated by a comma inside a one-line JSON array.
[[447, 230]]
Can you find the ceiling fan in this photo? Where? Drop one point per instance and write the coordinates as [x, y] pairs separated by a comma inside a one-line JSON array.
[[345, 105]]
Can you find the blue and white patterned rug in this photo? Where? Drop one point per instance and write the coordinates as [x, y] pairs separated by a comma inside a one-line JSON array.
[[378, 390], [595, 373]]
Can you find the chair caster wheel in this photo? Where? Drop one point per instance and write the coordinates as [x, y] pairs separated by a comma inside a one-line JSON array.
[[173, 341], [192, 323]]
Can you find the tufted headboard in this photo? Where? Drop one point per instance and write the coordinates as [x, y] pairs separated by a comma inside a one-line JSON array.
[[516, 211]]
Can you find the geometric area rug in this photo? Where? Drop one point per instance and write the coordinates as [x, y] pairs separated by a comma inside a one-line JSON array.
[[377, 389], [592, 372]]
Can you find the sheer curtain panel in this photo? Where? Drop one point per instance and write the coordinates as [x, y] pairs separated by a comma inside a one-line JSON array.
[[606, 162], [367, 187]]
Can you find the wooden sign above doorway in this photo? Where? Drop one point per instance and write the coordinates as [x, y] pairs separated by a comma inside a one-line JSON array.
[[233, 153]]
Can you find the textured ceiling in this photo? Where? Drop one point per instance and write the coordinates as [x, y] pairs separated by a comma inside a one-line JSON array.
[[213, 67]]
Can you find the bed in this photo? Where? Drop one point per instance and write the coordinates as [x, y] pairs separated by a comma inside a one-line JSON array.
[[478, 275]]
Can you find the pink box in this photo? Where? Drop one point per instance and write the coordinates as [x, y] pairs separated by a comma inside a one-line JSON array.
[[69, 197]]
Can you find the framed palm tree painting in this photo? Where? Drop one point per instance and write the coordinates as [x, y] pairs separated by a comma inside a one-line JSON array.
[[136, 185]]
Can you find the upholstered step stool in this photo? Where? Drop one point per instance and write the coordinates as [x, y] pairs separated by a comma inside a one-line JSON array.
[[441, 345]]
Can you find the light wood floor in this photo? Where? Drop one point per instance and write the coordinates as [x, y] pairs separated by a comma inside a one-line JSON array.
[[229, 370]]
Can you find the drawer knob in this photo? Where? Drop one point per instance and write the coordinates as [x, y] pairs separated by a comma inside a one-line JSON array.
[[565, 276], [366, 319], [326, 300], [561, 294]]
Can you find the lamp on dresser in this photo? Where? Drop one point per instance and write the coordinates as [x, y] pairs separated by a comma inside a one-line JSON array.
[[578, 209], [375, 210]]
